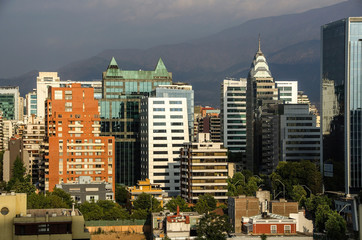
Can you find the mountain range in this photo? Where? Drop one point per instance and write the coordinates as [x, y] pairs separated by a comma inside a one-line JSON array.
[[290, 43]]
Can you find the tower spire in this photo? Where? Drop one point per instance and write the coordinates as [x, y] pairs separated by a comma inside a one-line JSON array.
[[259, 49]]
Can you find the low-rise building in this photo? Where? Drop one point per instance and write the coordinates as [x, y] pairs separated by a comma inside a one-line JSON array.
[[87, 190], [239, 207], [145, 186], [19, 223], [269, 224], [175, 225], [284, 208]]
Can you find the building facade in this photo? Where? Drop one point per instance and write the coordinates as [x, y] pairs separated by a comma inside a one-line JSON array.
[[74, 146], [9, 103], [31, 103], [300, 137], [341, 66], [180, 90], [33, 140], [88, 190], [164, 129], [120, 110], [262, 117], [204, 169], [51, 79], [288, 91]]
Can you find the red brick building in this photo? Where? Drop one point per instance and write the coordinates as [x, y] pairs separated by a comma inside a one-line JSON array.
[[269, 224], [72, 138]]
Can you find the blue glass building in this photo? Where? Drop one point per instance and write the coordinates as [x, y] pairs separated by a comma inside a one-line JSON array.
[[341, 102]]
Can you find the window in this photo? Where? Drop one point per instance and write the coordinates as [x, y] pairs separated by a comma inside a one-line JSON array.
[[177, 131], [159, 131], [176, 109], [176, 116], [159, 138], [177, 138], [287, 228], [177, 124], [175, 102], [159, 145], [158, 109], [159, 116], [159, 152], [159, 124], [158, 102], [273, 229]]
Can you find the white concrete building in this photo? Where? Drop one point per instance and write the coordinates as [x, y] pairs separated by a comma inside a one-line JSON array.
[[233, 114], [164, 128], [288, 91], [299, 135], [8, 132], [204, 169]]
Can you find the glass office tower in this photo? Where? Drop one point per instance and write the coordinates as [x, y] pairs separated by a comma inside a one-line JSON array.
[[341, 102], [120, 109]]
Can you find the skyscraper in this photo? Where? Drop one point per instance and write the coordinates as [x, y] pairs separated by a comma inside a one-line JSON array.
[[120, 110], [261, 117], [164, 129], [233, 117], [341, 102], [288, 91], [9, 103]]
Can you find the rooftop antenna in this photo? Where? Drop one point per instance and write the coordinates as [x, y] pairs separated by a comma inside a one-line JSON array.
[[259, 50]]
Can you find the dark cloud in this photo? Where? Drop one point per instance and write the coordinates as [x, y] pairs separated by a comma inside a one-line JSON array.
[[43, 34]]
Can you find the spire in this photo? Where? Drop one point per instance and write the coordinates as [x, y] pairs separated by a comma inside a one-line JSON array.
[[259, 49], [160, 65], [113, 64]]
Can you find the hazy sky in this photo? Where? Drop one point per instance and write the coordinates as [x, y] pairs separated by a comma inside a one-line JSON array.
[[46, 34]]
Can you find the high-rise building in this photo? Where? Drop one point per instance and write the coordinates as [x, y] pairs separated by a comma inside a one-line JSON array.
[[288, 91], [33, 138], [75, 147], [8, 132], [233, 116], [9, 102], [164, 129], [204, 169], [120, 110], [262, 120], [51, 79], [299, 134], [341, 66], [180, 90], [31, 103]]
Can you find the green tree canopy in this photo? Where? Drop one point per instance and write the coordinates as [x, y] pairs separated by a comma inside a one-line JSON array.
[[147, 202], [296, 173], [298, 193], [178, 201], [213, 227], [243, 183], [206, 203], [121, 194], [335, 226]]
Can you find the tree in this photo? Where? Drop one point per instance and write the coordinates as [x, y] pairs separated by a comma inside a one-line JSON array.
[[335, 226], [23, 187], [121, 195], [91, 211], [178, 201], [66, 197], [313, 202], [147, 202], [294, 173], [41, 201], [213, 227], [18, 170], [321, 217], [139, 214], [243, 184], [206, 203], [298, 193]]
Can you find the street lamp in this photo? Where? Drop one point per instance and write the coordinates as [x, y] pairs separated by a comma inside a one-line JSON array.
[[283, 186], [310, 191], [240, 179]]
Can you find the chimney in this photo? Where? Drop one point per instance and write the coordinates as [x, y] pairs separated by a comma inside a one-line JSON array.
[[178, 210]]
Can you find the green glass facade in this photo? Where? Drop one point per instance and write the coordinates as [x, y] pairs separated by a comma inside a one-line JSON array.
[[119, 110]]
